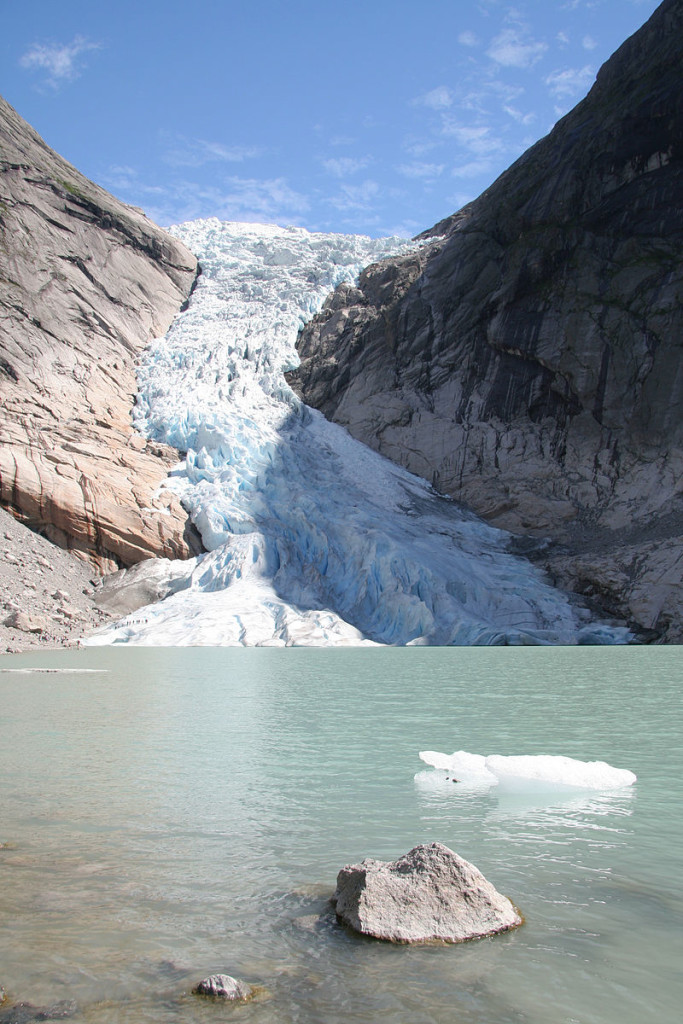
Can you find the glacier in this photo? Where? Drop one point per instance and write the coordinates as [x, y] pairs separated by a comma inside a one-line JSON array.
[[311, 537]]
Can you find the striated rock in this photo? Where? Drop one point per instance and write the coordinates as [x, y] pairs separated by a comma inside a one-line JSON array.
[[428, 894], [638, 581], [527, 360], [224, 986], [85, 282]]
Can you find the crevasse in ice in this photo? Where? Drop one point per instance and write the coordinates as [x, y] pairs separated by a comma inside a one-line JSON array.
[[312, 538]]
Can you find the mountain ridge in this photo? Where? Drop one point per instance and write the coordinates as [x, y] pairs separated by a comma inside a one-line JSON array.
[[86, 282], [527, 360]]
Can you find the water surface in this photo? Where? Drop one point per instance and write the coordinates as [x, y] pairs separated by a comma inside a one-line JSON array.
[[176, 812]]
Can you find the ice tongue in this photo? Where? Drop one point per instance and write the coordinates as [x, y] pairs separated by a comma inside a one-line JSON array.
[[312, 538]]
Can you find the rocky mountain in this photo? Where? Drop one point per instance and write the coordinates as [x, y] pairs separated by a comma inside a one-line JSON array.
[[85, 282], [527, 359]]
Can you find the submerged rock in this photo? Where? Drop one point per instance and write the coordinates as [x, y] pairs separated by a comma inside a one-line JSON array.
[[224, 986], [26, 1013], [428, 894]]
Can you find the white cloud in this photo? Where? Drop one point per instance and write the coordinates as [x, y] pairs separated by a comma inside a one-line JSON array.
[[512, 48], [271, 197], [419, 147], [343, 166], [478, 139], [468, 39], [562, 38], [504, 89], [460, 199], [342, 140], [571, 82], [420, 170], [184, 152], [60, 62], [122, 179], [518, 116], [473, 169], [588, 43], [356, 197], [438, 99], [249, 200], [479, 100], [403, 229]]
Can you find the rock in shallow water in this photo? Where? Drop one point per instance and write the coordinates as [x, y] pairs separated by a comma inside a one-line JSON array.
[[26, 1013], [428, 894], [223, 986]]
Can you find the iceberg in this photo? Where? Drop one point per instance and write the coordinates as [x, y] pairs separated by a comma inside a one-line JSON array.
[[311, 537], [540, 773]]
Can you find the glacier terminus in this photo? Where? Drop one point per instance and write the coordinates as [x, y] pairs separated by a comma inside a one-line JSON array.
[[311, 538]]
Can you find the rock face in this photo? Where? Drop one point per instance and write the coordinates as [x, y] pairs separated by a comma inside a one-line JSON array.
[[125, 591], [428, 894], [527, 359], [85, 281]]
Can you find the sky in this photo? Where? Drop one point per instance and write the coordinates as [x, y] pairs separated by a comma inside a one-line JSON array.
[[375, 117]]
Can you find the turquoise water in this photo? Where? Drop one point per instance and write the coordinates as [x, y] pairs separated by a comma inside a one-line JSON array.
[[172, 813]]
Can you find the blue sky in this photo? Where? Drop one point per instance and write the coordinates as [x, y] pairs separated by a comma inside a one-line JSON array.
[[374, 117]]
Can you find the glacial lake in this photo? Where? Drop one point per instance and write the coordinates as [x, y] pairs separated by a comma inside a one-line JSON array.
[[172, 813]]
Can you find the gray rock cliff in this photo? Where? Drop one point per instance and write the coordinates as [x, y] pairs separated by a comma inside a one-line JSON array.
[[527, 359], [85, 282]]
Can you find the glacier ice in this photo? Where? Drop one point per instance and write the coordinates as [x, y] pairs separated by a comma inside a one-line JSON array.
[[528, 772], [312, 538]]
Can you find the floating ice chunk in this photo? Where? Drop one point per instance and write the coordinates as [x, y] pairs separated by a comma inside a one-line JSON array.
[[53, 671], [529, 773], [543, 772], [461, 765]]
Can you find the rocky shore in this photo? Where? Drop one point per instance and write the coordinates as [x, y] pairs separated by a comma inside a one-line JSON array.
[[47, 594]]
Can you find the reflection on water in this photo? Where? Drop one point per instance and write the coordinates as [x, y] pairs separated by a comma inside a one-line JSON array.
[[179, 813], [442, 788]]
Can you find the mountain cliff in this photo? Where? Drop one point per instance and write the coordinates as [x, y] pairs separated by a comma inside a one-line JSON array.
[[85, 282], [527, 359]]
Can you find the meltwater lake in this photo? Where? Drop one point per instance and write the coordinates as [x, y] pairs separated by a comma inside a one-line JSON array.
[[171, 813]]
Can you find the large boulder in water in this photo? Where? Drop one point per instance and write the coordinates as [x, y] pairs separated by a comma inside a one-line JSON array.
[[430, 893], [224, 986]]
